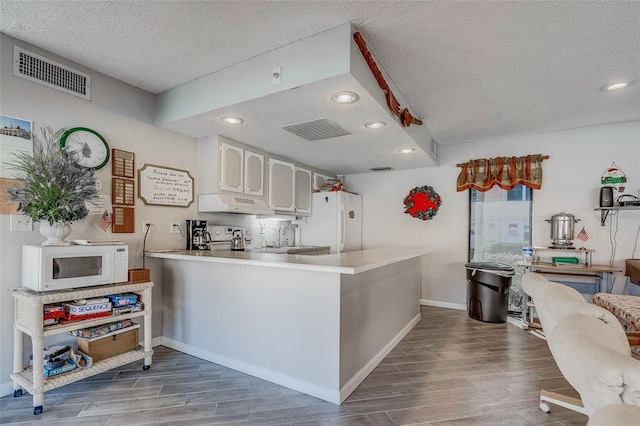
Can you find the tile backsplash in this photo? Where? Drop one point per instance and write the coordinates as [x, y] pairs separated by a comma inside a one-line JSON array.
[[272, 234]]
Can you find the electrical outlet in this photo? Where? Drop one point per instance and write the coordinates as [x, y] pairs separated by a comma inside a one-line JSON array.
[[174, 227], [21, 223], [144, 226]]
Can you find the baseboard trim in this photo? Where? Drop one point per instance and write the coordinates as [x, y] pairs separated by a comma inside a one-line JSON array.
[[359, 377], [327, 394], [517, 322], [438, 304]]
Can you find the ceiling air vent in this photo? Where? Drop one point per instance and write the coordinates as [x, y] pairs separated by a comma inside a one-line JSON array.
[[434, 149], [44, 71], [381, 168], [317, 129]]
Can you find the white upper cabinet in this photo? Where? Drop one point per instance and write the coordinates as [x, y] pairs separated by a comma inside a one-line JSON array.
[[303, 190], [281, 185], [231, 168], [253, 173], [241, 170], [319, 181], [284, 185]]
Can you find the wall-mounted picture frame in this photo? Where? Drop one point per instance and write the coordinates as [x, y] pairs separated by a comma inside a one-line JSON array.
[[15, 136], [122, 163], [165, 186]]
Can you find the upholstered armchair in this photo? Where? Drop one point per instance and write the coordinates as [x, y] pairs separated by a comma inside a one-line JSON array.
[[596, 361], [615, 414], [536, 285], [589, 346]]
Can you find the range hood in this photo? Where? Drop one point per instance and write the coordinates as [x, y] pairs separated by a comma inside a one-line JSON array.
[[229, 203]]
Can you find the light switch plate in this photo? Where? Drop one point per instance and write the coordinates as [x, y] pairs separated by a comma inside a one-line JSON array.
[[21, 223]]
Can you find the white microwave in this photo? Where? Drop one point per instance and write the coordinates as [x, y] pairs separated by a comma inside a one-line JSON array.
[[47, 268]]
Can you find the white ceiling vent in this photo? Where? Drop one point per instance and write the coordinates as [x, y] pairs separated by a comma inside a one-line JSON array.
[[317, 129], [44, 71], [434, 149]]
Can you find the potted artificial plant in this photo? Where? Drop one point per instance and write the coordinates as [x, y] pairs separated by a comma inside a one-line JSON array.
[[56, 188]]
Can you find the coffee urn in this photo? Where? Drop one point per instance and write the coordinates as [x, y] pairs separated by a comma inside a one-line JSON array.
[[562, 226]]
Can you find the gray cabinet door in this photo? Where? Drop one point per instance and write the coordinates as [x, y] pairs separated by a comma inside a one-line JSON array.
[[231, 168], [253, 173], [303, 190], [281, 185]]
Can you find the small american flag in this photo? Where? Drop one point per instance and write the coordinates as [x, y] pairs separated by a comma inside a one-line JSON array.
[[582, 235], [105, 221]]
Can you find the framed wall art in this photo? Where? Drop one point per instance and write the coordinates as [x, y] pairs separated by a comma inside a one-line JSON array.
[[165, 186]]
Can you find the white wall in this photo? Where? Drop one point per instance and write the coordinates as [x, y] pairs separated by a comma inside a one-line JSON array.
[[571, 182], [124, 116]]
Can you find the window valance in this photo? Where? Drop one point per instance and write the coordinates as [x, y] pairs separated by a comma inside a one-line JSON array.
[[506, 172]]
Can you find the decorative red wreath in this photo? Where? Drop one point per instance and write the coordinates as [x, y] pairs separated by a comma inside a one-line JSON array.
[[422, 202]]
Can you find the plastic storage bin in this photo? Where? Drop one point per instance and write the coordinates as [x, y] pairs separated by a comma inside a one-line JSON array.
[[488, 290]]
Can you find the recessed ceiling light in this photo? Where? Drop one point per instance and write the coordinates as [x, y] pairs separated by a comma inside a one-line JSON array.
[[616, 86], [345, 97], [232, 120], [406, 150], [375, 125]]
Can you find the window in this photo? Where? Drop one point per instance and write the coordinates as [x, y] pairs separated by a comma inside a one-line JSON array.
[[499, 226]]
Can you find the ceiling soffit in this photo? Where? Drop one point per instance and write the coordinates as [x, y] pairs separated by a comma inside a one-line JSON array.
[[312, 70]]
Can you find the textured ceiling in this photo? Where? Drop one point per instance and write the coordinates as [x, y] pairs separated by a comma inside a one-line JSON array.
[[471, 70], [357, 152]]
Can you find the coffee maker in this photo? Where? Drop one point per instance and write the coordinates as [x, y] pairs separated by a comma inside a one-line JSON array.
[[198, 238]]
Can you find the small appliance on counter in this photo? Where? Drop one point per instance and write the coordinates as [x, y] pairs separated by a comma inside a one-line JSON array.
[[237, 241], [235, 238], [198, 237], [562, 226]]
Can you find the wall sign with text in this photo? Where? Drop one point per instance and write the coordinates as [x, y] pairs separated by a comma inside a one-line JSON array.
[[165, 186]]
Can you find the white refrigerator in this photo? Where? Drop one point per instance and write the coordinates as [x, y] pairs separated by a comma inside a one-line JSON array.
[[336, 221]]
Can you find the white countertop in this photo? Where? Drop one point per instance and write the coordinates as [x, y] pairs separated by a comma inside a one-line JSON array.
[[353, 262]]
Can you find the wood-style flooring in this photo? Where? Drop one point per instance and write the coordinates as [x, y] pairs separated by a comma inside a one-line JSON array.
[[449, 370]]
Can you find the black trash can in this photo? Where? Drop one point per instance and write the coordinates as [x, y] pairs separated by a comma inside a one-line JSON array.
[[488, 290]]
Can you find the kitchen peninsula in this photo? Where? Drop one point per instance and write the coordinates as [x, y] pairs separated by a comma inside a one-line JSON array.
[[316, 324]]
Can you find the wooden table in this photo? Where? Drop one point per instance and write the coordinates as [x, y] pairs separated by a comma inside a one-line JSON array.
[[594, 272]]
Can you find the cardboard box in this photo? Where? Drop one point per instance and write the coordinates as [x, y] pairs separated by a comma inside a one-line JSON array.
[[118, 300], [89, 306], [102, 330], [141, 275], [112, 344]]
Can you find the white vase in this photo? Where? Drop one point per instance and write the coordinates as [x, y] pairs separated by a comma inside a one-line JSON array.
[[55, 234]]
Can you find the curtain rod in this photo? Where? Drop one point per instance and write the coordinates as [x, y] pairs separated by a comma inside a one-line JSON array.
[[544, 157]]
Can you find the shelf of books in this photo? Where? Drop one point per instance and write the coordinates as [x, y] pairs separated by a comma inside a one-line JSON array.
[[101, 320]]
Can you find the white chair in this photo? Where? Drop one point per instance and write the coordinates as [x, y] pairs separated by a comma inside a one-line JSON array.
[[615, 414], [535, 285], [589, 346]]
